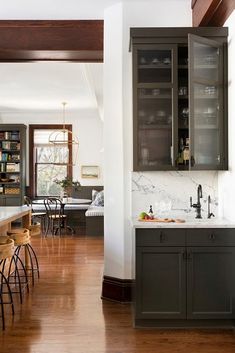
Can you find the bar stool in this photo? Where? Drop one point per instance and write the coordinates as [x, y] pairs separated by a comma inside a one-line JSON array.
[[6, 253], [17, 274], [21, 237]]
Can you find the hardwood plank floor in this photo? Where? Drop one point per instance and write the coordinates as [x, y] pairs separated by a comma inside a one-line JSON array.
[[64, 313]]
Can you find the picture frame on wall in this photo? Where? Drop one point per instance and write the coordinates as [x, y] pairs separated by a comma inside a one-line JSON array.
[[90, 171]]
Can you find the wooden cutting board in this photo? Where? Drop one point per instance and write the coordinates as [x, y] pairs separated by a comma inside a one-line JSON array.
[[163, 220]]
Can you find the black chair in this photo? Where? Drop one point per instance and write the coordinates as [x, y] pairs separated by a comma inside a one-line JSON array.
[[56, 219], [36, 216]]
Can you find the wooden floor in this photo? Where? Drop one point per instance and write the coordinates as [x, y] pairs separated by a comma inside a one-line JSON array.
[[64, 312]]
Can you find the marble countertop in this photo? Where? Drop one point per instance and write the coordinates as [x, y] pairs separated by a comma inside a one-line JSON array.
[[190, 222], [8, 213]]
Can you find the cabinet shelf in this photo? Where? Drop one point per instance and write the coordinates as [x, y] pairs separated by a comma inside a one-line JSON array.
[[151, 96], [9, 151], [206, 127], [155, 127], [9, 172], [9, 183], [9, 140], [206, 96], [152, 66], [204, 66], [11, 161]]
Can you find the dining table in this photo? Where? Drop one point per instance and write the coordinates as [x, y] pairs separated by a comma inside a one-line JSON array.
[[65, 201]]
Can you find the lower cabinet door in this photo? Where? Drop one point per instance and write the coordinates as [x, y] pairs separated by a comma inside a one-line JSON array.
[[210, 283], [160, 283]]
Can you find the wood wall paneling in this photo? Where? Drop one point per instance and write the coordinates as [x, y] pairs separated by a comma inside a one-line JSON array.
[[79, 40], [211, 12]]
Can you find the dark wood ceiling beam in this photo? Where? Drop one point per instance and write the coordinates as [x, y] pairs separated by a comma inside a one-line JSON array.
[[211, 12], [51, 40]]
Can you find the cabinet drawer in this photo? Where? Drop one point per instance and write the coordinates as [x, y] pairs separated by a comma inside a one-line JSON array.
[[211, 237], [160, 237]]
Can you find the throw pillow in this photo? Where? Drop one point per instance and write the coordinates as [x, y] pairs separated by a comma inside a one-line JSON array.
[[93, 194], [99, 199]]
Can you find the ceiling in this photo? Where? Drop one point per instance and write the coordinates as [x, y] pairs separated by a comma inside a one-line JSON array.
[[45, 85], [58, 9]]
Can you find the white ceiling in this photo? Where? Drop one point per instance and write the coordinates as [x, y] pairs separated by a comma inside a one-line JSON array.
[[44, 86], [58, 9]]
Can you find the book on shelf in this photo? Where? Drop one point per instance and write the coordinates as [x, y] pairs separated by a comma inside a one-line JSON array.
[[2, 167], [12, 167]]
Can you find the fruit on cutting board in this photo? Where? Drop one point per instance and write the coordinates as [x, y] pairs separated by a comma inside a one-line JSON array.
[[143, 215]]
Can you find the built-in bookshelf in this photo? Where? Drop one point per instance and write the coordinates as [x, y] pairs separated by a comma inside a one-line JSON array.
[[12, 164]]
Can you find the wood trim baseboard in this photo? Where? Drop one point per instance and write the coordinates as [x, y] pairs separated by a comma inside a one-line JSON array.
[[116, 289]]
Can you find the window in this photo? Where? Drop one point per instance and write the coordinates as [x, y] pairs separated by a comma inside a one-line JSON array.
[[48, 162]]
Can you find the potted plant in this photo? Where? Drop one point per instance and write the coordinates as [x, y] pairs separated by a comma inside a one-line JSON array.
[[68, 184]]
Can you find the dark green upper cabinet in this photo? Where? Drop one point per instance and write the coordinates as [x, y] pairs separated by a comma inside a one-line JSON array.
[[179, 98]]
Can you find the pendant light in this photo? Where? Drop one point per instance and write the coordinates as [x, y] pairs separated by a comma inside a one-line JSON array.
[[64, 137]]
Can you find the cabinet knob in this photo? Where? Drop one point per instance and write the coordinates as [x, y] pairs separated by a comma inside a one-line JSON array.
[[162, 237], [189, 256], [212, 237]]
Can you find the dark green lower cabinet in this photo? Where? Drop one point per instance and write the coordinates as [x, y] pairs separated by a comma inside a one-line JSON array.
[[185, 285], [160, 283], [211, 283]]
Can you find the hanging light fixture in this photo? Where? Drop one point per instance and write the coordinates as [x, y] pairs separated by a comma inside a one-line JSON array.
[[64, 137]]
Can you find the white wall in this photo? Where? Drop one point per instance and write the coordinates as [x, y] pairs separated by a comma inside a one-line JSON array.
[[227, 179], [113, 144], [86, 125], [118, 117]]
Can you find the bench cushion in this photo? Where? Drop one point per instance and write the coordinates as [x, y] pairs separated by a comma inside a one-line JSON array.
[[94, 211]]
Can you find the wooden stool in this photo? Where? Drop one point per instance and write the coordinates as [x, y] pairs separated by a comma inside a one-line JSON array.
[[6, 252], [17, 274], [21, 237], [35, 229]]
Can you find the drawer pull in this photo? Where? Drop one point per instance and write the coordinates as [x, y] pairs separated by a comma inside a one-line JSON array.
[[212, 237], [162, 237]]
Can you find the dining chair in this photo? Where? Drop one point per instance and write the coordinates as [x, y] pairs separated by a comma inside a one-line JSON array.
[[36, 216], [56, 219]]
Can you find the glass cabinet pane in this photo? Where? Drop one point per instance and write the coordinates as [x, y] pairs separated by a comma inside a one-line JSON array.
[[154, 66], [154, 126], [206, 102], [205, 61]]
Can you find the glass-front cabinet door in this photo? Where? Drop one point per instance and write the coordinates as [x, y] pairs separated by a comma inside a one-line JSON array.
[[155, 94], [205, 104]]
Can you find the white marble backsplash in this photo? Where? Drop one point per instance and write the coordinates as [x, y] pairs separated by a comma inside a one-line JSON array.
[[169, 192]]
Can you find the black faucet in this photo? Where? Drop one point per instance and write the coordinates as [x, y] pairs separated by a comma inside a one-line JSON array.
[[209, 214], [198, 204]]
